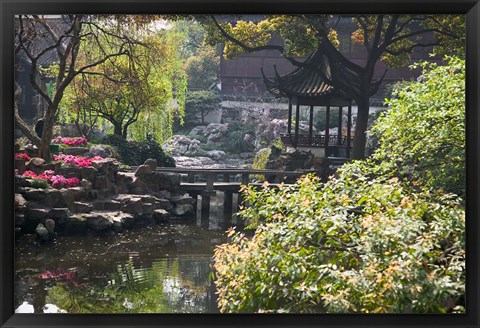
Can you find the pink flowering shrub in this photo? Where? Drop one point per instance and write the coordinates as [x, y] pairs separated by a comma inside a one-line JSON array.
[[70, 141], [22, 156], [59, 181], [56, 181], [76, 160], [29, 174]]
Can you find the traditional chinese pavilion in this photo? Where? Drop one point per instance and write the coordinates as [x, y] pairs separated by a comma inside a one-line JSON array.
[[310, 85]]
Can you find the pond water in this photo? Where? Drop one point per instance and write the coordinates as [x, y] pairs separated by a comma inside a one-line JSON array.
[[156, 269]]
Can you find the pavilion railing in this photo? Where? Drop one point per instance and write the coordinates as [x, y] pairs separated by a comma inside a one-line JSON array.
[[316, 140]]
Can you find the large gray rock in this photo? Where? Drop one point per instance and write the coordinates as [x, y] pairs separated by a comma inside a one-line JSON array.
[[70, 172], [166, 181], [42, 233], [143, 171], [148, 208], [246, 155], [182, 200], [35, 164], [50, 226], [76, 193], [87, 185], [161, 216], [108, 166], [198, 132], [133, 206], [144, 220], [88, 173], [82, 207], [162, 203], [76, 225], [59, 215], [183, 209], [193, 162], [48, 197], [155, 182], [216, 154], [112, 205], [120, 221], [102, 182], [20, 201], [67, 198], [152, 163], [104, 221], [98, 221], [37, 214], [123, 180], [99, 151], [180, 145]]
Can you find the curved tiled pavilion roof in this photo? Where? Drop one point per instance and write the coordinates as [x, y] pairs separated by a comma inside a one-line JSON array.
[[310, 84], [309, 80]]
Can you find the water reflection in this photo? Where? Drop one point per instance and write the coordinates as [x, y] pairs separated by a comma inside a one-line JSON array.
[[157, 269]]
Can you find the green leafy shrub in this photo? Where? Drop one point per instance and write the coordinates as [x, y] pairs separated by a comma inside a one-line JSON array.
[[239, 138], [353, 244], [198, 104], [136, 153], [39, 183], [128, 152], [208, 147], [260, 161], [385, 235], [261, 158], [425, 126], [151, 149]]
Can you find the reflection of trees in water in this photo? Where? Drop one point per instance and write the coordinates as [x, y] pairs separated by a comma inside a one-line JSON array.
[[169, 285]]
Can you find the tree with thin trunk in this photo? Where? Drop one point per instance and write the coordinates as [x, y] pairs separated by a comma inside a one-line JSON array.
[[387, 38], [135, 90], [42, 40]]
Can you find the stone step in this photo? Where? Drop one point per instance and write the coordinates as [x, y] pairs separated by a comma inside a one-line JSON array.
[[106, 205], [82, 207]]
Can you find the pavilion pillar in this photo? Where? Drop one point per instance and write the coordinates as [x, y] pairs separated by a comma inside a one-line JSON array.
[[310, 128], [327, 128], [289, 129], [339, 138], [349, 127], [297, 122]]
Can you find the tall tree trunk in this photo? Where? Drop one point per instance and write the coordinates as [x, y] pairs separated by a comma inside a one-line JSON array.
[[117, 129], [125, 130], [360, 140], [19, 122], [49, 121]]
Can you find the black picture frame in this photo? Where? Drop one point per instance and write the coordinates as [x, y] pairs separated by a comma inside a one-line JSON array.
[[8, 8]]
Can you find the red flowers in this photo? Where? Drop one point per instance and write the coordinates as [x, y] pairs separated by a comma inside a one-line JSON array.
[[76, 160], [57, 181], [70, 141], [22, 156]]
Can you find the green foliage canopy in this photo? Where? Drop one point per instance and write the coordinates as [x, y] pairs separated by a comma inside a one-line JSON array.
[[138, 93], [422, 133], [198, 104], [372, 239], [202, 68]]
